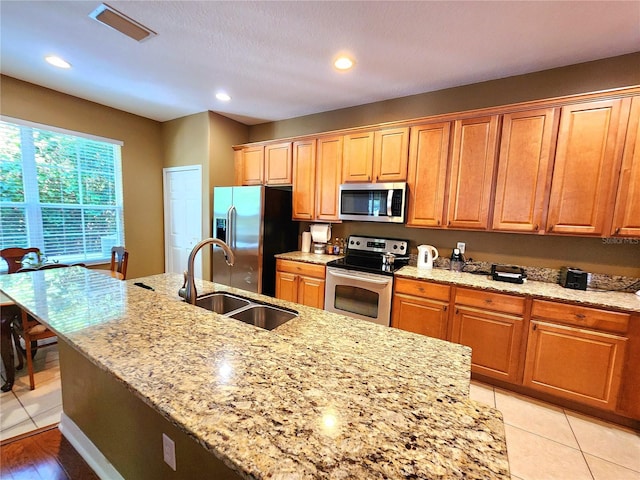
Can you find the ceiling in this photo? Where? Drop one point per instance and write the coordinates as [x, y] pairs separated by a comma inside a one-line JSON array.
[[275, 58]]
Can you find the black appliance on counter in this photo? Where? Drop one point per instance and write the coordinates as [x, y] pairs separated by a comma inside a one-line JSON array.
[[573, 278], [508, 273]]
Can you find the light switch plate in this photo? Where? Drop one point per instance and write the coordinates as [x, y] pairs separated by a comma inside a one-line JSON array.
[[169, 451]]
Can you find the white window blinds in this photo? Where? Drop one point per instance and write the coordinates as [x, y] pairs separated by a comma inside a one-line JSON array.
[[59, 192]]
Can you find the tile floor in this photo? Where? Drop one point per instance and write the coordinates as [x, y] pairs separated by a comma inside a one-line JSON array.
[[23, 410], [545, 442]]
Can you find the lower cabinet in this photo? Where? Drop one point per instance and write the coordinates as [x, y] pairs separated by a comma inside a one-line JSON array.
[[492, 325], [574, 362], [300, 282], [421, 307]]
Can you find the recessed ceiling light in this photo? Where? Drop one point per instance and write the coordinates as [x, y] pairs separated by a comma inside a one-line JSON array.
[[343, 63], [57, 61], [223, 97]]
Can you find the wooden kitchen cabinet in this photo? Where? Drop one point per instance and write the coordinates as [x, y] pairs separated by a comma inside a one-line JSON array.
[[277, 164], [427, 174], [492, 325], [473, 160], [304, 179], [421, 307], [588, 156], [379, 156], [357, 163], [626, 217], [328, 175], [300, 282], [252, 165], [576, 352], [524, 166]]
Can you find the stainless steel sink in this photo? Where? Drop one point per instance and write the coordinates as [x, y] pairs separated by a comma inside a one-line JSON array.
[[221, 302], [264, 316], [245, 310]]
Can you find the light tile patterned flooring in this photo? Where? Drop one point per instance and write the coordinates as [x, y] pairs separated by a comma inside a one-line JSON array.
[[544, 442]]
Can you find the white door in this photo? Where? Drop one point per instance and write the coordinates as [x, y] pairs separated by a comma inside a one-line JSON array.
[[183, 226]]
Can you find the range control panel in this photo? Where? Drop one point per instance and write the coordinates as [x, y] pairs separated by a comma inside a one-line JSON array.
[[378, 245]]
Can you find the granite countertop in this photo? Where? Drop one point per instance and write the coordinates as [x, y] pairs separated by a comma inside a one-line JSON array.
[[550, 291], [317, 258], [322, 396]]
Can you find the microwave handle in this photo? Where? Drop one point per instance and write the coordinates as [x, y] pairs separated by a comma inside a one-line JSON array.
[[389, 202]]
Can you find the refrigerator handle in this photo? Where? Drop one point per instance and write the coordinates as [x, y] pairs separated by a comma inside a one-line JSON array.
[[231, 227]]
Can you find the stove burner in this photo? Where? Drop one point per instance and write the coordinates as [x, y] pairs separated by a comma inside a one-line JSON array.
[[364, 254]]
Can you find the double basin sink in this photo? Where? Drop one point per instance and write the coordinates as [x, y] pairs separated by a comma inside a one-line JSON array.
[[245, 310]]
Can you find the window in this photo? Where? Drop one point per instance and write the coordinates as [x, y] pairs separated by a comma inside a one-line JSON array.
[[59, 192]]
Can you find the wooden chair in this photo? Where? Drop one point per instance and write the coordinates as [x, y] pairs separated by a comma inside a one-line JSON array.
[[14, 255], [31, 330], [119, 259]]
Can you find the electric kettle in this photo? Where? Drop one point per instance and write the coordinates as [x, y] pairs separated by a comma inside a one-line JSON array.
[[426, 255]]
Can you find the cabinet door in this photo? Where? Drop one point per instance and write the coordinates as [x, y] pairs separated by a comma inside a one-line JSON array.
[[277, 161], [358, 158], [328, 174], [575, 364], [420, 315], [252, 165], [524, 165], [304, 179], [587, 160], [626, 217], [427, 174], [287, 286], [495, 339], [473, 161], [390, 155], [311, 291]]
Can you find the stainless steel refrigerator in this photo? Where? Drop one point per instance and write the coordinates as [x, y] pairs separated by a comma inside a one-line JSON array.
[[255, 221]]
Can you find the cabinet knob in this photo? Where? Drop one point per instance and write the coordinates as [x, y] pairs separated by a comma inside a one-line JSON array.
[[535, 227], [438, 222], [488, 300], [449, 223], [617, 231], [445, 308], [550, 227], [580, 316], [535, 326], [457, 311]]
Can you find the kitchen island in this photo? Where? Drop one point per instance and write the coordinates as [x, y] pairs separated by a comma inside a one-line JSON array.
[[322, 396]]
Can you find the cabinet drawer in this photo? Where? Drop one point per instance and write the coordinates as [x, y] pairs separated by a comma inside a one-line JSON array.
[[423, 289], [490, 301], [581, 316], [301, 268]]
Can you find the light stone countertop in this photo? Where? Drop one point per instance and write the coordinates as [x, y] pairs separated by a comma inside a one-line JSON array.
[[317, 258], [322, 396], [550, 291]]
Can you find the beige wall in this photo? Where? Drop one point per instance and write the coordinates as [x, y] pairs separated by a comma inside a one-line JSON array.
[[142, 159], [591, 254]]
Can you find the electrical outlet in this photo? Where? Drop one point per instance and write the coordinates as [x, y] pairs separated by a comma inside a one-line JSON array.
[[169, 451], [461, 246]]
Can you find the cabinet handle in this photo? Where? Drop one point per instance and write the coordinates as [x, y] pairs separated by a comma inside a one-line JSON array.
[[421, 289], [368, 178], [535, 227], [449, 223], [457, 311], [438, 222], [617, 231], [535, 326], [445, 308], [580, 315], [550, 227], [488, 300]]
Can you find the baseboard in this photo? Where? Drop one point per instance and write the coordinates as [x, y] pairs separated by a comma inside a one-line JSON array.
[[87, 450]]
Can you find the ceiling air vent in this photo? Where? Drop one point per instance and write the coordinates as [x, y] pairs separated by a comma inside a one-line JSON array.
[[111, 17]]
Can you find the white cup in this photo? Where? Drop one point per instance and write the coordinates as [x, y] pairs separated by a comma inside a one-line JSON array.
[[306, 242]]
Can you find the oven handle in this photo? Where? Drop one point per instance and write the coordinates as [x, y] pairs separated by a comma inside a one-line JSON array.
[[357, 277]]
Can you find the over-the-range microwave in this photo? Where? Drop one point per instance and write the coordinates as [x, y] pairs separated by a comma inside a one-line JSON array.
[[373, 202]]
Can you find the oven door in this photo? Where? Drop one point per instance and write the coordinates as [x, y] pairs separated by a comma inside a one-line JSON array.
[[360, 295]]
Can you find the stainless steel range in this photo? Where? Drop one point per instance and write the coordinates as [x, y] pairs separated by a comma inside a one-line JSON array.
[[360, 284]]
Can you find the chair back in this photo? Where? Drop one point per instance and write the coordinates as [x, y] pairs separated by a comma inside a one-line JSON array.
[[119, 259], [14, 255]]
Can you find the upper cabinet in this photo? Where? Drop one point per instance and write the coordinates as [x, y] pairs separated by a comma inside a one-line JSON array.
[[473, 160], [626, 217], [587, 162], [524, 167], [379, 156], [252, 165], [304, 179], [427, 174], [328, 174], [277, 164]]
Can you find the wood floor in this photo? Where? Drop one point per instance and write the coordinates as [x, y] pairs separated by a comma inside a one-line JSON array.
[[46, 455]]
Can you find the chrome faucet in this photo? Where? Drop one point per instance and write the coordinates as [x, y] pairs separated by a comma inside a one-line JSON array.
[[188, 290]]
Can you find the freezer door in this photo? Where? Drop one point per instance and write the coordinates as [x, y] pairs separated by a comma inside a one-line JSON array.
[[246, 237], [222, 203]]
